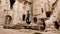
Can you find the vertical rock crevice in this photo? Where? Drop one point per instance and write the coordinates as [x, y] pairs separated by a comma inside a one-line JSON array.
[[12, 3]]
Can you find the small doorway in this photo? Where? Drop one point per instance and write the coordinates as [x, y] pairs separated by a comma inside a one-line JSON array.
[[48, 14], [35, 19], [8, 19]]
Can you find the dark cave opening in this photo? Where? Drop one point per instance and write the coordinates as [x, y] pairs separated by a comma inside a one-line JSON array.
[[8, 19], [48, 14], [12, 3]]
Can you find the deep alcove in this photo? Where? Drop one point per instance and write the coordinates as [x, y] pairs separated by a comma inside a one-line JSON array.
[[12, 3]]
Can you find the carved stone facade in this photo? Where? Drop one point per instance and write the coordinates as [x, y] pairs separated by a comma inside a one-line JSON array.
[[37, 8]]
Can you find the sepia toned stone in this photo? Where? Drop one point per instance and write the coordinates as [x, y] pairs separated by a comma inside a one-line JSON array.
[[37, 8]]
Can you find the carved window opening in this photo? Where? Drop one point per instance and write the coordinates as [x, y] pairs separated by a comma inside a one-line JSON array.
[[48, 14], [8, 19], [12, 3], [35, 19]]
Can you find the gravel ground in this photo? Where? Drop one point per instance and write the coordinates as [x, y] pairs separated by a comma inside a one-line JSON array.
[[24, 31]]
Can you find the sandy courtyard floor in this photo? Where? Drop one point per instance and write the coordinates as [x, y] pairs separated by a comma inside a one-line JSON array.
[[23, 31]]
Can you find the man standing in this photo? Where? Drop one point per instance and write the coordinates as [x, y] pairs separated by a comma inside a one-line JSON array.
[[27, 17]]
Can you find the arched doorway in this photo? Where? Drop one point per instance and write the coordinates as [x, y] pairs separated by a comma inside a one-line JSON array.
[[35, 19], [56, 25], [8, 19]]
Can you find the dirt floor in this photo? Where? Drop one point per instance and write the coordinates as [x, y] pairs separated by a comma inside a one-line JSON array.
[[24, 31]]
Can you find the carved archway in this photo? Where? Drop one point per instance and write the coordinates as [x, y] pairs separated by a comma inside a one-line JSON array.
[[35, 19], [8, 19]]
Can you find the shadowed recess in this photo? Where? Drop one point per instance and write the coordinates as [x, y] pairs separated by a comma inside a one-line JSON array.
[[12, 3]]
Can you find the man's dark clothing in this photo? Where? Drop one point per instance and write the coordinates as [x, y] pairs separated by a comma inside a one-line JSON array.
[[27, 18]]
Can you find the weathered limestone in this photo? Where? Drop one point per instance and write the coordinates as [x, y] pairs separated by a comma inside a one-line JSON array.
[[16, 13], [38, 6], [54, 16], [35, 10]]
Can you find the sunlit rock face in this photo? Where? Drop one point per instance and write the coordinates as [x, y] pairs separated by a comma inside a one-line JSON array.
[[16, 12], [55, 14], [47, 6], [19, 9], [39, 9], [38, 6], [3, 11]]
